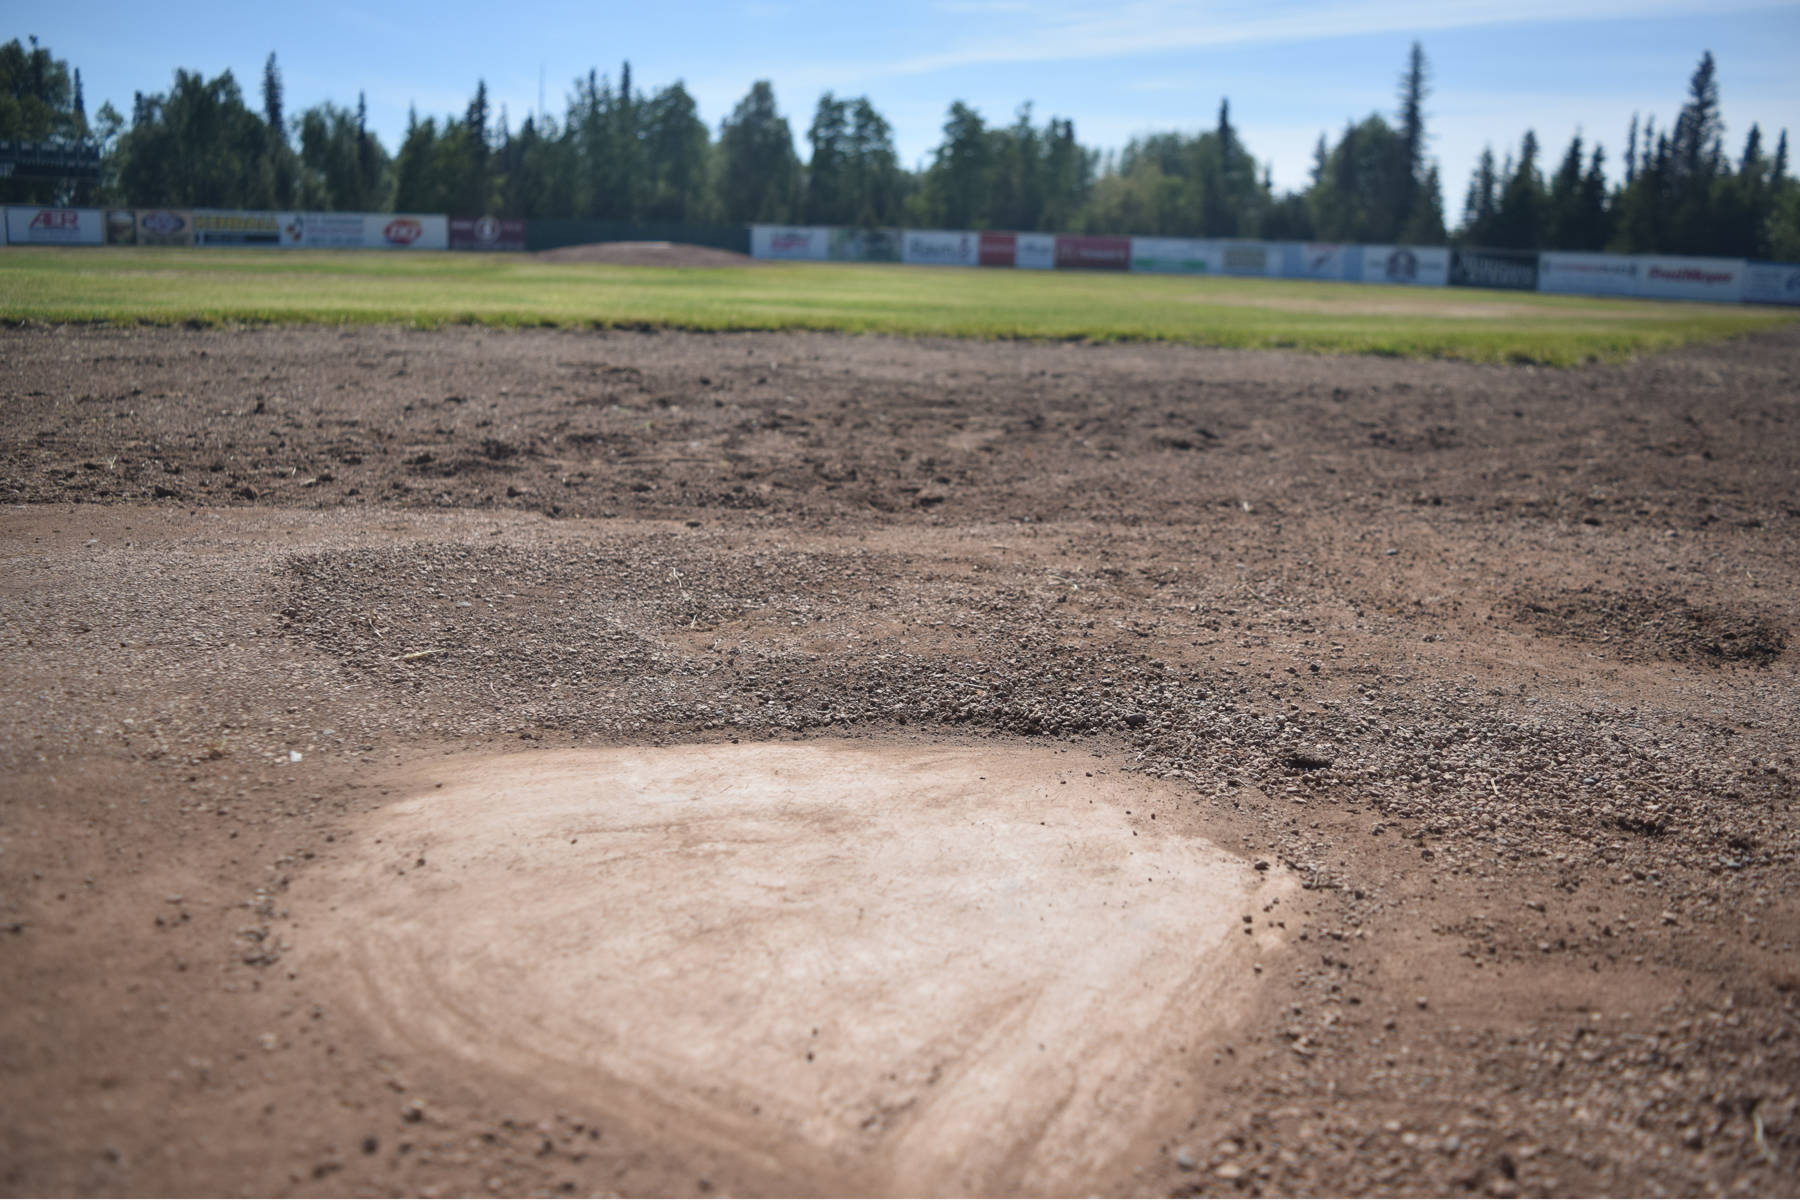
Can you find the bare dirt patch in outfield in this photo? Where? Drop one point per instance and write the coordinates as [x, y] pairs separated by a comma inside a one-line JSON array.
[[1495, 665], [647, 254]]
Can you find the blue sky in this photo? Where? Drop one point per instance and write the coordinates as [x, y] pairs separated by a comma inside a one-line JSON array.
[[1292, 68]]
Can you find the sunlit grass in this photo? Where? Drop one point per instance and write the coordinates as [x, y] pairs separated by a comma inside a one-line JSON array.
[[245, 286]]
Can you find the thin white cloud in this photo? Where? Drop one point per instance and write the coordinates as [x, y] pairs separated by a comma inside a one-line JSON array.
[[1095, 31], [967, 8]]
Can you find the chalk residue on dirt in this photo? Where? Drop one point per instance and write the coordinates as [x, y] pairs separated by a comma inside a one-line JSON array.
[[844, 961]]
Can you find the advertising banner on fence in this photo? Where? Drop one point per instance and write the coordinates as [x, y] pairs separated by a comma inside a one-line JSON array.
[[1422, 266], [940, 248], [1515, 270], [798, 242], [399, 231], [999, 249], [1035, 251], [487, 233], [1313, 260], [1092, 253], [216, 227], [1772, 283], [33, 226], [1691, 278], [864, 245], [121, 227], [1174, 256], [1244, 258], [324, 231], [165, 227], [1588, 274]]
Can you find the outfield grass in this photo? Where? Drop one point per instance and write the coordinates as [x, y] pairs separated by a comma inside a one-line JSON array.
[[247, 286]]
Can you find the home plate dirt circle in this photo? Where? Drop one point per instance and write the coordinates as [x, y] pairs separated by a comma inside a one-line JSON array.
[[836, 965]]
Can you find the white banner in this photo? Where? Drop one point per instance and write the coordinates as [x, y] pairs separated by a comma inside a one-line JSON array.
[[1772, 283], [55, 226], [798, 242], [1587, 274], [400, 231], [324, 231], [1035, 251], [1422, 266], [940, 248], [1691, 278], [1174, 256]]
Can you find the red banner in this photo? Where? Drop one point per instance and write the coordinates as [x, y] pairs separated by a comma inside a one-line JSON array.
[[1093, 253], [999, 249], [487, 233]]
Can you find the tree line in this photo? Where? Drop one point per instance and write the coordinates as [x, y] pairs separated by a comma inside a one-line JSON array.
[[619, 153]]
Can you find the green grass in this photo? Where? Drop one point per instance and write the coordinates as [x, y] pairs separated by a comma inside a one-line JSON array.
[[246, 286]]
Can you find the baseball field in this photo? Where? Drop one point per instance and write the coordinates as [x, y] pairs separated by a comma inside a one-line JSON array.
[[650, 724], [173, 286]]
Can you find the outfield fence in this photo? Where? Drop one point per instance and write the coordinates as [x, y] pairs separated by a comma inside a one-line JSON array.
[[1649, 276]]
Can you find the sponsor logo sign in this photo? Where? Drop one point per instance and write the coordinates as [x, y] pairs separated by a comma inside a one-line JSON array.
[[1174, 256], [324, 231], [165, 227], [1691, 278], [121, 227], [1035, 251], [1244, 258], [215, 228], [55, 226], [999, 249], [940, 248], [487, 233], [1093, 253], [865, 245], [1772, 283], [1516, 270], [1425, 266], [1312, 260], [1588, 274], [404, 231], [794, 242]]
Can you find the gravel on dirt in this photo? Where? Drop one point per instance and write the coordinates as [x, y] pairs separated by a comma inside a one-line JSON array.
[[1499, 662]]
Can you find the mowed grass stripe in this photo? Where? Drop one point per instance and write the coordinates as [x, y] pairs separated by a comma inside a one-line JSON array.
[[247, 286]]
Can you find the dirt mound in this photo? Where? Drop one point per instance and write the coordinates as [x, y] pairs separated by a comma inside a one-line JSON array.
[[647, 254], [1655, 624]]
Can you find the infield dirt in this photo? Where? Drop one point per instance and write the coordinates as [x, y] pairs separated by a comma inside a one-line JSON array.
[[1485, 674]]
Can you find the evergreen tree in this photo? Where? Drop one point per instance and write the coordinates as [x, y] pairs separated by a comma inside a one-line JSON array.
[[1520, 222], [1414, 86], [675, 146], [830, 199], [271, 98], [1566, 220], [760, 177], [957, 184], [1482, 204]]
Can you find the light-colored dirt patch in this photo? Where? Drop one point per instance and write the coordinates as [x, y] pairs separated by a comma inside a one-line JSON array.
[[1415, 303], [891, 968], [648, 254]]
